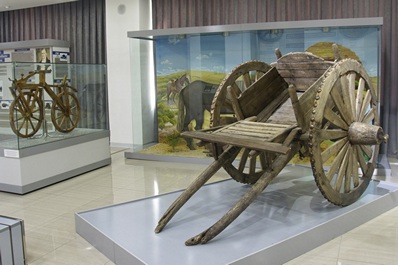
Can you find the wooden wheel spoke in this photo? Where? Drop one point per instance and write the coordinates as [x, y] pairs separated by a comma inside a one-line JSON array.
[[351, 93], [263, 161], [338, 101], [26, 128], [247, 80], [365, 105], [332, 134], [243, 160], [354, 164], [22, 125], [335, 119], [72, 107], [346, 98], [252, 168], [62, 121], [71, 121], [342, 171], [359, 99], [348, 174], [337, 162], [376, 115], [333, 149], [31, 123], [367, 150], [361, 159], [369, 117], [258, 75], [236, 89], [35, 118]]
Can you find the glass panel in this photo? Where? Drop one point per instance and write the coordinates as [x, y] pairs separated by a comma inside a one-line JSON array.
[[189, 67], [144, 110], [45, 102]]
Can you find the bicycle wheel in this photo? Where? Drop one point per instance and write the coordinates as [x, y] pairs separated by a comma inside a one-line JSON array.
[[26, 119], [65, 112]]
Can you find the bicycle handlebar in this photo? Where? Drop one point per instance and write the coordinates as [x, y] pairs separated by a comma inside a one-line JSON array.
[[38, 71]]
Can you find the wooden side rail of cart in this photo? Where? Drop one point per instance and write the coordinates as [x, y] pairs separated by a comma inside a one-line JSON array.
[[333, 118]]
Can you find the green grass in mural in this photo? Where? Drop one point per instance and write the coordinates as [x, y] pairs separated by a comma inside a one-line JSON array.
[[325, 50], [165, 115]]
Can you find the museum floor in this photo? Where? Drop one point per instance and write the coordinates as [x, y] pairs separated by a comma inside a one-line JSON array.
[[50, 229]]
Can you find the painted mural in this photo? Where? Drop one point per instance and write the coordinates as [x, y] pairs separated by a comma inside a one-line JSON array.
[[189, 69]]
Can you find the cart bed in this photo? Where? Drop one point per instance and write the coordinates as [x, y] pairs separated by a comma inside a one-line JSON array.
[[248, 134]]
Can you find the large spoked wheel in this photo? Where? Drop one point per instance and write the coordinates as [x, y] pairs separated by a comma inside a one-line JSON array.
[[65, 112], [251, 164], [344, 133], [240, 78], [26, 114]]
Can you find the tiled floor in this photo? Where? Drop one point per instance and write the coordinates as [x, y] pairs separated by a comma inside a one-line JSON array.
[[50, 229]]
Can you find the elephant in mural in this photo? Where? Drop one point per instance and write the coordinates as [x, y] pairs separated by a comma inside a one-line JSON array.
[[194, 99]]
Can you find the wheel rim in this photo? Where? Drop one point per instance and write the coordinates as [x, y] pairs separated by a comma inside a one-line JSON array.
[[342, 169], [250, 167], [240, 78], [26, 122], [66, 118]]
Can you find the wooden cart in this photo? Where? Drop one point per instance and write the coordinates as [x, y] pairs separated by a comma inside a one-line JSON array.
[[331, 117]]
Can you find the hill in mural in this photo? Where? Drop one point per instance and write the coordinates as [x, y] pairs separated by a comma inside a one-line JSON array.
[[325, 50]]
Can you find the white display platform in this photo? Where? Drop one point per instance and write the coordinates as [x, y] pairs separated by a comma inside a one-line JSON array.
[[382, 167], [30, 164], [288, 219]]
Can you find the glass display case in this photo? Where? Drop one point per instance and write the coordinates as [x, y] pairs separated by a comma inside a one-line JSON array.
[[53, 123], [39, 103], [168, 63]]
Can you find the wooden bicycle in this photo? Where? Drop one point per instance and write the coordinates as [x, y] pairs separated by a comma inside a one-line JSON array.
[[27, 108]]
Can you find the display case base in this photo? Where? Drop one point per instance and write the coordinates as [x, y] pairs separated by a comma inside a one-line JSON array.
[[289, 217], [30, 164]]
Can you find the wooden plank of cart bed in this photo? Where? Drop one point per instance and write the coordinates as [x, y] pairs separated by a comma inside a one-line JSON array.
[[239, 141]]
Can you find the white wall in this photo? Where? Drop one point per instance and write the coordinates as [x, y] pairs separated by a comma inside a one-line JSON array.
[[123, 16]]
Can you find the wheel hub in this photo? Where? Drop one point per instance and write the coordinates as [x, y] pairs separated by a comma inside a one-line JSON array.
[[366, 134]]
